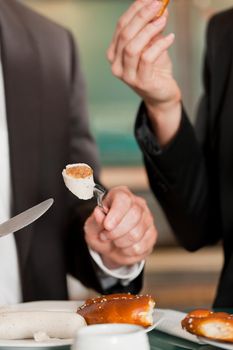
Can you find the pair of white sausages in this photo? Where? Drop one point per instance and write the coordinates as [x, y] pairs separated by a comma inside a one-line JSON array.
[[39, 324]]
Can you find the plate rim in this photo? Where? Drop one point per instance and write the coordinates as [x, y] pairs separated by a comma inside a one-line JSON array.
[[220, 343]]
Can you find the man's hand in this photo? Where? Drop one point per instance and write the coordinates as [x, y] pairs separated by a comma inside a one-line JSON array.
[[126, 234], [138, 56]]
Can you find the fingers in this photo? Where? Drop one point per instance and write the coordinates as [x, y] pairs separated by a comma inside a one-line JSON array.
[[98, 227], [133, 225], [136, 253], [142, 18], [134, 49], [128, 218], [93, 228], [143, 246], [129, 221], [131, 237], [150, 55], [99, 216], [126, 234], [138, 55], [119, 202], [122, 22], [136, 234], [94, 224]]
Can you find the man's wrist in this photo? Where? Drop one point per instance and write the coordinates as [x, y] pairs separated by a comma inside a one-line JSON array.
[[124, 273], [110, 264]]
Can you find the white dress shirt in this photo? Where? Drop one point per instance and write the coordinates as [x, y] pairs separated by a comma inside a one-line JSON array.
[[10, 286], [10, 290]]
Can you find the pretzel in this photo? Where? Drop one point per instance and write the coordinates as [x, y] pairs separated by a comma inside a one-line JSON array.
[[163, 8], [119, 308], [209, 324]]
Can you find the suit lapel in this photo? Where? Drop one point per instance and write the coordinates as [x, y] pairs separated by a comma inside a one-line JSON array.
[[22, 90]]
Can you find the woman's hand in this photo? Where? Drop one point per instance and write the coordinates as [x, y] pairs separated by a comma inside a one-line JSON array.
[[138, 56]]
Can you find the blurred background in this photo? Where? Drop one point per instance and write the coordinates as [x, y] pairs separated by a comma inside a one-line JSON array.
[[176, 278]]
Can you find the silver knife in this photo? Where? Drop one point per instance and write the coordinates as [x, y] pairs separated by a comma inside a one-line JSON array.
[[25, 218]]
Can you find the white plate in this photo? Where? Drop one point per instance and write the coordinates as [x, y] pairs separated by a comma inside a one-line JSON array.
[[62, 306], [169, 322], [218, 344], [157, 318], [33, 344]]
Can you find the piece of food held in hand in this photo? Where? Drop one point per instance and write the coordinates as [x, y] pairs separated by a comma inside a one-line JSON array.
[[119, 308], [40, 325], [209, 324], [163, 8]]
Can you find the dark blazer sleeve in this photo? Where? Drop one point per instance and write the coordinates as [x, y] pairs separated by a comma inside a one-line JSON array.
[[83, 149], [181, 175]]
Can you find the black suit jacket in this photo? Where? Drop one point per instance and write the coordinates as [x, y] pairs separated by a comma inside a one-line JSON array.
[[193, 176], [48, 128]]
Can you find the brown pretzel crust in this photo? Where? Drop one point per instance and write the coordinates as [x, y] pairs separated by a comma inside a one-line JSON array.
[[163, 8], [118, 308], [209, 324]]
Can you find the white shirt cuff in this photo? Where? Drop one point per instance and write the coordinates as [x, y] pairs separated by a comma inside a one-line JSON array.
[[125, 273]]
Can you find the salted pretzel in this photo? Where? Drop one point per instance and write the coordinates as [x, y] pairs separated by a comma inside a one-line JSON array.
[[163, 8], [119, 308], [209, 324]]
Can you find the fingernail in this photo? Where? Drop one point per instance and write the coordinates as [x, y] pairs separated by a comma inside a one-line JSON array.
[[110, 55], [137, 248], [170, 37]]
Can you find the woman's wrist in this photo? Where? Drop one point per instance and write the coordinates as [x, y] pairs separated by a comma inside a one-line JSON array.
[[165, 119]]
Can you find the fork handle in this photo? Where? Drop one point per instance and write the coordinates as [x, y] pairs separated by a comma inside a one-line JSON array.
[[100, 193]]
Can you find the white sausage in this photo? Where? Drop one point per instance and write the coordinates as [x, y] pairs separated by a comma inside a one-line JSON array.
[[48, 305], [24, 324]]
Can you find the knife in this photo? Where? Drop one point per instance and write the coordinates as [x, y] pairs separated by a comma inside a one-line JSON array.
[[25, 218]]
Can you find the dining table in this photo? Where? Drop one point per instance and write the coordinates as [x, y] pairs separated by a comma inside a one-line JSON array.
[[158, 341]]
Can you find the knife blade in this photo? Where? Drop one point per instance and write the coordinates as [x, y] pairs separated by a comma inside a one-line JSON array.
[[25, 218]]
